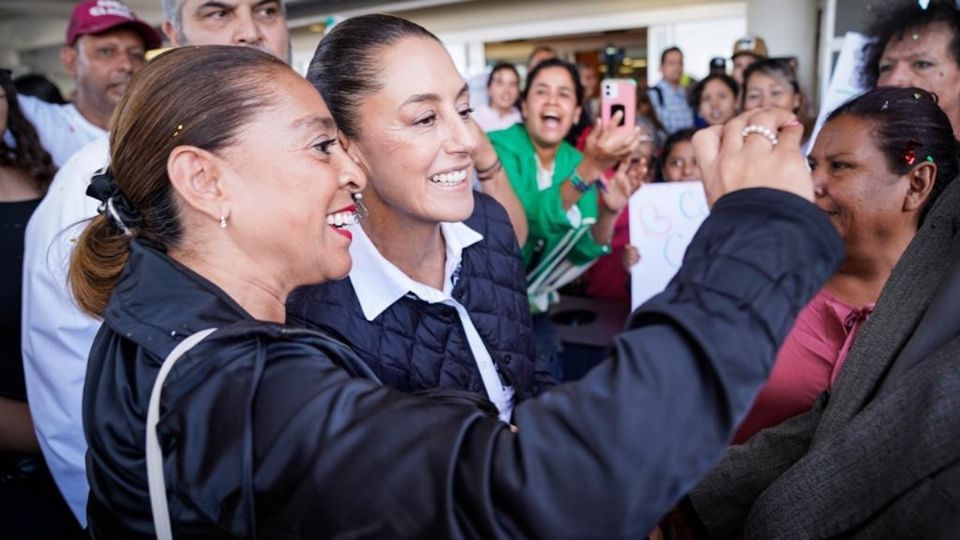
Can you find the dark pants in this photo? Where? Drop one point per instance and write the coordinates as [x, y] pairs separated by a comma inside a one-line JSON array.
[[548, 345]]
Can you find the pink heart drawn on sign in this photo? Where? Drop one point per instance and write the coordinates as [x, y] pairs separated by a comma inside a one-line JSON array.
[[653, 223]]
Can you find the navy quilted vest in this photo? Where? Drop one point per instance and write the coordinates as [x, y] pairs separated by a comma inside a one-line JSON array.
[[414, 346]]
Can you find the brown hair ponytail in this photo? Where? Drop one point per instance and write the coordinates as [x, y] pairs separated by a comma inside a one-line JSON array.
[[191, 96], [101, 253]]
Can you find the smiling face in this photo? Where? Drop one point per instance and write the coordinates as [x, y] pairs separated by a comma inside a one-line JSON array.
[[853, 184], [550, 109], [415, 139], [288, 192], [251, 23], [717, 103], [769, 91], [925, 62], [504, 90]]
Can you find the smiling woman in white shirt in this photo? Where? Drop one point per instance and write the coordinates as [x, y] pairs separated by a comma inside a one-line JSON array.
[[503, 88], [436, 301]]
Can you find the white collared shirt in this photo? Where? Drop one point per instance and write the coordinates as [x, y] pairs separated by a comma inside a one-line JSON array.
[[61, 128], [56, 335], [378, 283], [545, 181]]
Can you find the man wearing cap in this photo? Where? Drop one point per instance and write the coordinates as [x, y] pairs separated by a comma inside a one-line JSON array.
[[105, 47], [56, 337], [746, 51]]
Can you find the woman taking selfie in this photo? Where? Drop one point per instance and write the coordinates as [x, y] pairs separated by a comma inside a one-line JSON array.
[[266, 430]]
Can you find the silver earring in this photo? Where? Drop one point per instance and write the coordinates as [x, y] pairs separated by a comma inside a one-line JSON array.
[[362, 211], [223, 222]]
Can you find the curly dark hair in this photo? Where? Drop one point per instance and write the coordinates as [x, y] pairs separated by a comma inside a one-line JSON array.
[[897, 19], [28, 155]]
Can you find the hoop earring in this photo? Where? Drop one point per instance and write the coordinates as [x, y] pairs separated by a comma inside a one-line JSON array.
[[223, 222]]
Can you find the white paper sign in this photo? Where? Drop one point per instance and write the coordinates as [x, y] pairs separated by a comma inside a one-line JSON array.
[[663, 220], [844, 83]]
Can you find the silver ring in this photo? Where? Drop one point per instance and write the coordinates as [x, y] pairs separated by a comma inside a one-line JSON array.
[[760, 130]]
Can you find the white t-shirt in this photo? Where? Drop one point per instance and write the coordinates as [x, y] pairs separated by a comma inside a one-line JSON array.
[[56, 335], [490, 120], [62, 129]]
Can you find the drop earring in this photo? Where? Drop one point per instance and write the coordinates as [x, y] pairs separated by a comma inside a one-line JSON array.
[[223, 222], [362, 212]]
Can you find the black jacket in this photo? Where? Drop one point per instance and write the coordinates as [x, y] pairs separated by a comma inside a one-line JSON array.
[[415, 346], [276, 433]]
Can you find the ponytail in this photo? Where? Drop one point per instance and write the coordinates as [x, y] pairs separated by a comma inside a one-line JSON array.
[[190, 96], [96, 263]]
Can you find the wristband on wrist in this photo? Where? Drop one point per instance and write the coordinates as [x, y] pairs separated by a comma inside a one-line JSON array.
[[489, 172], [493, 167], [578, 183]]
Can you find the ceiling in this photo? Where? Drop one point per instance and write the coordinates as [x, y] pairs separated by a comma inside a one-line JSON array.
[[150, 11], [16, 9]]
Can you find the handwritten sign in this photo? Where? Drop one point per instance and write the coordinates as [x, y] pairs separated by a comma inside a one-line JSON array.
[[663, 220]]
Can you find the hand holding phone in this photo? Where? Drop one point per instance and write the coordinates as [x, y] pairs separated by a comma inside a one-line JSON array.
[[618, 95]]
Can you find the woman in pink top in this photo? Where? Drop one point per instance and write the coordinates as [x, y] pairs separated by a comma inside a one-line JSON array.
[[878, 164]]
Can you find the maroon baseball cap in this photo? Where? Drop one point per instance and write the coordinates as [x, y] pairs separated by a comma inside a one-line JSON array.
[[96, 16]]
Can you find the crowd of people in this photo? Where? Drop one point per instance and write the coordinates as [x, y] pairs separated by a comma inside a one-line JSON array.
[[240, 302]]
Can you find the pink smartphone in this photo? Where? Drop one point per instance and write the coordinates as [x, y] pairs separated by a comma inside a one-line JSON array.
[[618, 95]]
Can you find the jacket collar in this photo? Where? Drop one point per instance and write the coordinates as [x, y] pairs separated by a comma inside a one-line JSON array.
[[379, 283], [158, 302]]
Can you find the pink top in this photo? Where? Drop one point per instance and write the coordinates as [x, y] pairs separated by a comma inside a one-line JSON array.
[[808, 362], [490, 120], [607, 278]]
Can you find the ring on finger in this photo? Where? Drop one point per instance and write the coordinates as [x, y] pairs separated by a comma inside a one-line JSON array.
[[756, 129]]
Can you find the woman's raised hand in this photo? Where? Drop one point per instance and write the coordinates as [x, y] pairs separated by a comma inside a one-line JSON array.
[[628, 177], [606, 144], [759, 148]]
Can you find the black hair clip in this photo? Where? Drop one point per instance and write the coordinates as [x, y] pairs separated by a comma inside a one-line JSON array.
[[103, 187]]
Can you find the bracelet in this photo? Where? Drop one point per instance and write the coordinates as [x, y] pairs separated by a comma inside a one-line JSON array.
[[578, 182], [490, 172], [483, 172]]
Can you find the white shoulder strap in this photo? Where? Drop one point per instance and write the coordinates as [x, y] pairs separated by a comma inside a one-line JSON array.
[[158, 488]]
